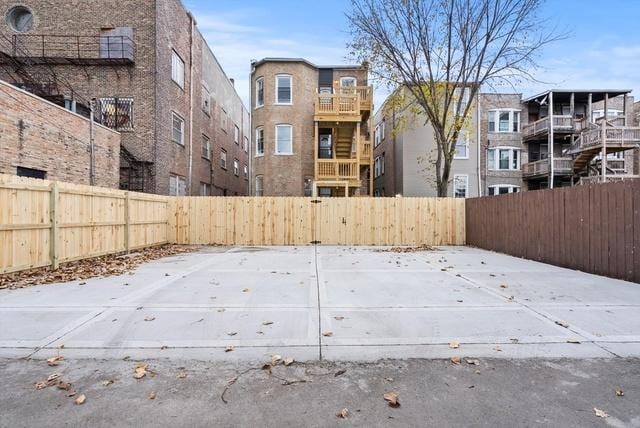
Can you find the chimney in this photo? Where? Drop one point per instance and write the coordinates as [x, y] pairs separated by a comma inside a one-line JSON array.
[[233, 81]]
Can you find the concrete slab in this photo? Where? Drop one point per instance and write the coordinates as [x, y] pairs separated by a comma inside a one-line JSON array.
[[376, 305]]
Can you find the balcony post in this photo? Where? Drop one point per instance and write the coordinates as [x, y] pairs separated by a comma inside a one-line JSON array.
[[589, 106], [550, 140], [624, 109], [603, 162], [315, 150]]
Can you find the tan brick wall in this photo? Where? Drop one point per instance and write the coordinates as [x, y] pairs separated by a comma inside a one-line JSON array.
[[37, 134]]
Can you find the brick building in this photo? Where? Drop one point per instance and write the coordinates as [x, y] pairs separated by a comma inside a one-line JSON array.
[[43, 140], [150, 75], [311, 128]]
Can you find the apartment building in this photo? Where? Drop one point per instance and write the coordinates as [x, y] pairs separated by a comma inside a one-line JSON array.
[[147, 72], [405, 150], [311, 128], [514, 147]]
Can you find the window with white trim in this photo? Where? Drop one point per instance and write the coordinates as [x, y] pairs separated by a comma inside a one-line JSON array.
[[206, 147], [284, 139], [504, 120], [206, 100], [205, 189], [177, 134], [284, 89], [460, 185], [223, 159], [501, 189], [378, 166], [259, 91], [246, 172], [259, 183], [259, 141], [177, 69], [383, 129], [465, 93], [236, 167], [503, 159], [236, 134], [245, 144], [177, 185], [223, 120], [348, 81], [462, 146], [376, 136]]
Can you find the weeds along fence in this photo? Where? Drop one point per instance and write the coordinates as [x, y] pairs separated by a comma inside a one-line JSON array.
[[45, 223]]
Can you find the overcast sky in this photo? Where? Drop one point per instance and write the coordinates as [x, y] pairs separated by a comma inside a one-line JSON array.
[[602, 51]]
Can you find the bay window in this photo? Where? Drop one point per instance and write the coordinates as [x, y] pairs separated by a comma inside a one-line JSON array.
[[503, 158], [504, 120]]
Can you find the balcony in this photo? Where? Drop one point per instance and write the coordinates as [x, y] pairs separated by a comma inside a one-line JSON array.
[[593, 179], [365, 151], [68, 49], [561, 166], [337, 170], [346, 104], [561, 124], [616, 139]]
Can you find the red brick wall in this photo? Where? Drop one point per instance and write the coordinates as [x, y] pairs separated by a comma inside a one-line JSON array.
[[37, 134]]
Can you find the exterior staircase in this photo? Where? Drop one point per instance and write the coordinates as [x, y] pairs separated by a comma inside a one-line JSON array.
[[344, 142]]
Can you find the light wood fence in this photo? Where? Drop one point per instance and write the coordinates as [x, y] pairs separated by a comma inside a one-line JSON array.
[[44, 223]]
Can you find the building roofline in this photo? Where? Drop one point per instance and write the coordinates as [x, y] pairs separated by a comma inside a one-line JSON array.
[[578, 91], [302, 60]]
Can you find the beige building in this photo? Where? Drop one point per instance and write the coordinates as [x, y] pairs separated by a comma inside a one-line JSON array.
[[310, 128]]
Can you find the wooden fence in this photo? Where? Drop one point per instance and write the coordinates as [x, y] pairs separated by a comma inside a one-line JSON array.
[[327, 221], [594, 228], [44, 223]]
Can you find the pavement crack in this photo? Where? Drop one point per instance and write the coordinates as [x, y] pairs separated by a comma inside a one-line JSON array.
[[315, 252]]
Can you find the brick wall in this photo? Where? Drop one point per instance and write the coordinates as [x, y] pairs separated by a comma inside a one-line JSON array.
[[37, 134]]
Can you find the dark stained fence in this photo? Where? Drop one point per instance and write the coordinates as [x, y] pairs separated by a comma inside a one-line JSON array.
[[594, 228]]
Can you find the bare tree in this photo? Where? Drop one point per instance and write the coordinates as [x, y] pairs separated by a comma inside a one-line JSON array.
[[443, 51]]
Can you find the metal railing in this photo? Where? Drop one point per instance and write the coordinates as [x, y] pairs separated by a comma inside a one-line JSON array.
[[70, 47]]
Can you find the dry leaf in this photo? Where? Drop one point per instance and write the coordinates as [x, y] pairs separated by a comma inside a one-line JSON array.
[[563, 324], [54, 361], [455, 360], [327, 334], [339, 318], [232, 333], [600, 413], [288, 361], [472, 362], [342, 414], [149, 318], [619, 392], [339, 372], [245, 290], [64, 386], [267, 323], [152, 395], [228, 349], [140, 371], [182, 375], [276, 359], [392, 399], [454, 344], [40, 385], [388, 379], [107, 382], [81, 399], [503, 285]]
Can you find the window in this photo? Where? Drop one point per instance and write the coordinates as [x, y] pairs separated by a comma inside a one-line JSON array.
[[284, 139], [259, 141], [246, 172], [223, 159], [378, 166], [205, 189], [259, 182], [259, 92], [462, 146], [611, 114], [206, 100], [283, 89], [501, 189], [236, 134], [504, 120], [22, 171], [177, 135], [245, 145], [460, 184], [177, 185], [376, 136], [236, 167], [206, 147], [308, 186], [504, 158], [177, 69], [465, 94], [223, 119], [20, 19], [348, 81], [116, 113], [383, 129]]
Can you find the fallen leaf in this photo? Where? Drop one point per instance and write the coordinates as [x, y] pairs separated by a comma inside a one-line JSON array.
[[339, 373], [619, 392], [64, 386], [267, 368], [472, 362], [503, 286], [276, 359], [149, 318], [107, 382], [563, 324], [152, 395], [245, 290], [54, 361], [53, 379], [388, 379], [40, 385], [600, 413], [327, 334], [140, 371], [339, 318], [342, 414], [232, 333], [454, 344], [392, 399], [228, 349], [267, 323], [182, 375], [81, 399], [455, 360]]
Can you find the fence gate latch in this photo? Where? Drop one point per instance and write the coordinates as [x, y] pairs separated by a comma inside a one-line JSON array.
[[315, 242], [315, 201]]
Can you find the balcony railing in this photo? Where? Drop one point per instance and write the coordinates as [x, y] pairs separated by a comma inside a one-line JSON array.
[[337, 169], [621, 137], [541, 167], [610, 178], [69, 48], [365, 149], [560, 123], [337, 104]]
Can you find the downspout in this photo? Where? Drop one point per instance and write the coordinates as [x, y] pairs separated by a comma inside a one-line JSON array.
[[92, 154], [478, 115], [251, 131], [193, 23]]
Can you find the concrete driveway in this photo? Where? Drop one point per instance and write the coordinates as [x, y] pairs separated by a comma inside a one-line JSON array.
[[334, 303]]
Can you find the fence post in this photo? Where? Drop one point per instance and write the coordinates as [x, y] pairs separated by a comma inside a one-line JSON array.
[[53, 220], [127, 222]]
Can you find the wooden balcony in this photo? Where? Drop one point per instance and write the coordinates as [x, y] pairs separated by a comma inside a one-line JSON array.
[[365, 151], [615, 138], [337, 170], [593, 179], [561, 166], [561, 124], [346, 104]]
